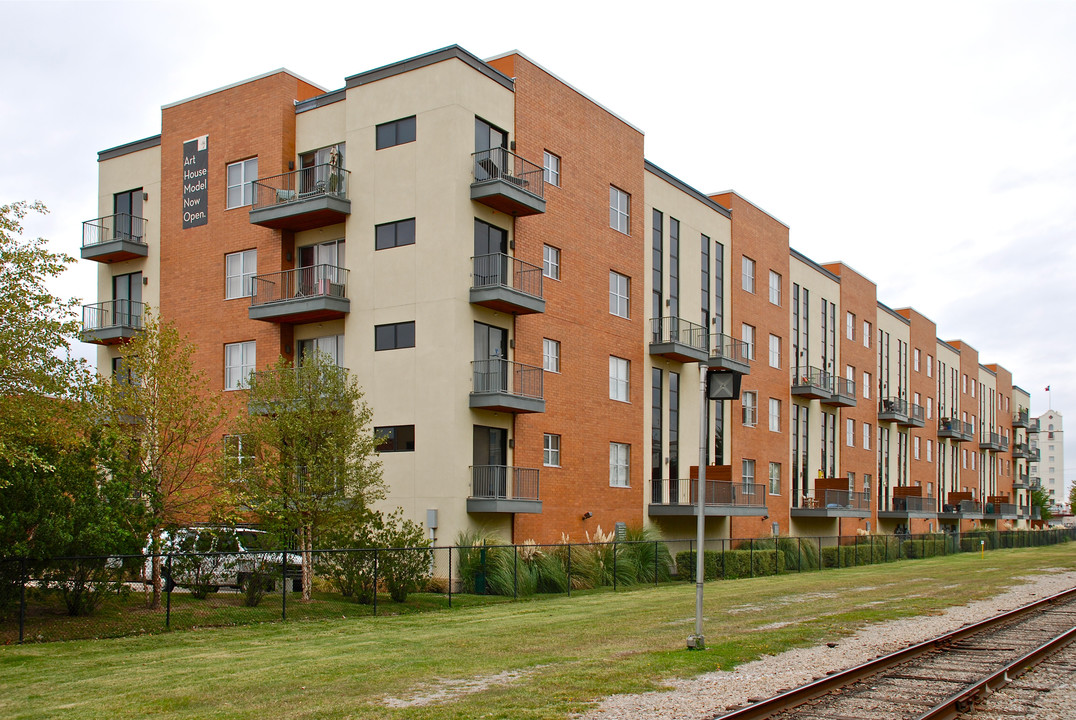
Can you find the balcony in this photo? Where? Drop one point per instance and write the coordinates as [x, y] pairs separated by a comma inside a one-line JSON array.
[[1020, 419], [112, 321], [507, 386], [678, 340], [916, 416], [990, 441], [1020, 451], [1034, 455], [844, 392], [302, 295], [504, 181], [1033, 425], [114, 238], [834, 503], [503, 489], [723, 498], [308, 385], [967, 509], [1002, 510], [302, 200], [727, 353], [812, 383], [1021, 482], [893, 410], [954, 430], [505, 284], [903, 508]]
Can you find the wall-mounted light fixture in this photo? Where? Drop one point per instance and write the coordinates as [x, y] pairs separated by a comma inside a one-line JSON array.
[[145, 280], [588, 515]]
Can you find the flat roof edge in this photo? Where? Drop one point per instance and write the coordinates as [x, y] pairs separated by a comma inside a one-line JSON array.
[[229, 86], [430, 58], [317, 101], [803, 258], [754, 205], [128, 148], [684, 187], [894, 313]]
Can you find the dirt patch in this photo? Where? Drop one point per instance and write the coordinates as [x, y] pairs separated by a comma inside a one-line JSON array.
[[445, 689]]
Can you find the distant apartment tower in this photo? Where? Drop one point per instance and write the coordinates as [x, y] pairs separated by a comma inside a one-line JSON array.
[[1049, 450]]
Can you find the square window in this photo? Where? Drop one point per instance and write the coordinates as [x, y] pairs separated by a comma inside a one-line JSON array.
[[239, 271], [748, 279], [551, 355], [619, 210], [395, 438], [240, 177], [394, 234], [775, 415], [618, 379], [239, 361], [775, 288], [551, 450], [619, 464], [394, 336], [775, 478], [551, 262], [396, 132], [551, 168], [618, 294], [775, 351]]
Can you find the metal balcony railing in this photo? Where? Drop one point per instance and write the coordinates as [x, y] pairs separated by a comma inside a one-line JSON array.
[[504, 482], [306, 184], [677, 330], [913, 504], [729, 352], [916, 413], [813, 379], [304, 282], [500, 270], [120, 226], [673, 491], [1033, 425], [1020, 418], [113, 314], [498, 375], [501, 164], [837, 500], [844, 387], [893, 408]]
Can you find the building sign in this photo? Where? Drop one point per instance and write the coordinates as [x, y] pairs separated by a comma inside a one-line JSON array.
[[196, 182]]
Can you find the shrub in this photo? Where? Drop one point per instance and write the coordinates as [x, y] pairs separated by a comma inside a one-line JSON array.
[[731, 564], [387, 548], [648, 554]]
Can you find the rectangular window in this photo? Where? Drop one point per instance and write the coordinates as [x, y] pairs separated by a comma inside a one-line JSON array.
[[866, 436], [775, 478], [930, 407], [619, 464], [915, 359], [394, 336], [866, 385], [775, 288], [930, 450], [866, 334], [747, 472], [748, 279], [239, 361], [850, 434], [850, 326], [331, 345], [239, 271], [747, 334], [551, 262], [236, 448], [749, 400], [551, 168], [930, 366], [618, 294], [775, 415], [775, 351], [964, 458], [618, 379], [240, 177], [551, 450], [619, 210], [396, 438], [394, 234], [396, 132], [551, 355], [915, 447]]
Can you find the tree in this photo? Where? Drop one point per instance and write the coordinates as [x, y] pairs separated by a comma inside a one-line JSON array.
[[1072, 499], [1040, 499], [306, 457], [36, 327], [162, 428]]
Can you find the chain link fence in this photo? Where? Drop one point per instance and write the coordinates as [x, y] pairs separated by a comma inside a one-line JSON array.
[[98, 597]]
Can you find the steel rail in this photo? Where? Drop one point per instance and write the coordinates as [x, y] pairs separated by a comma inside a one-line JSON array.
[[805, 693]]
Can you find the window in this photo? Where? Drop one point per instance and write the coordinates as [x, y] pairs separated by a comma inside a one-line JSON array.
[[775, 478], [775, 415], [239, 271], [551, 355], [749, 400], [551, 262], [394, 234], [394, 336], [915, 447], [866, 436], [850, 329], [747, 334], [396, 438], [916, 399], [964, 383], [930, 450], [930, 407], [551, 450], [775, 289], [748, 279], [915, 359], [396, 132], [775, 351], [618, 379], [747, 473], [331, 345], [240, 177], [866, 385], [619, 464], [551, 167], [238, 364], [866, 334], [236, 448], [964, 458], [850, 432], [930, 366], [619, 210], [618, 294]]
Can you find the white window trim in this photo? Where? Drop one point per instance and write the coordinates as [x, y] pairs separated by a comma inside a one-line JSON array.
[[236, 374], [547, 344], [246, 194], [619, 382], [547, 450], [246, 277], [619, 210], [616, 293], [549, 173], [551, 262], [619, 465]]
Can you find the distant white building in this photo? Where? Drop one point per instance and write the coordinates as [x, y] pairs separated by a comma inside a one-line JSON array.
[[1050, 468]]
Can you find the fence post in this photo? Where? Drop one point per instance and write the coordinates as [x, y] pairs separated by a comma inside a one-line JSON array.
[[655, 563], [799, 554], [22, 598], [776, 564], [168, 593], [724, 554], [821, 564], [691, 554], [515, 572], [375, 582], [450, 576], [283, 585], [752, 556], [569, 569], [855, 552]]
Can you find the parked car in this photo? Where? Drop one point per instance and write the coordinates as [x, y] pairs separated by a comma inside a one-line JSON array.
[[205, 559]]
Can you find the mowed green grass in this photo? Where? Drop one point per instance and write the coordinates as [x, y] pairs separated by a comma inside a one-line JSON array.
[[562, 653]]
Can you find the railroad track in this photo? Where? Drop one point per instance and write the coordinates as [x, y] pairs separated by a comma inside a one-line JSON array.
[[935, 680]]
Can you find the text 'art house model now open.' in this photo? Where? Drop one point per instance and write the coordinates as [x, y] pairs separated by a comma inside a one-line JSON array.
[[527, 302]]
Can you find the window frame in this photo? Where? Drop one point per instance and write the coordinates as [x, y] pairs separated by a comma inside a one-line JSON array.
[[408, 124], [395, 226], [775, 415], [550, 174], [547, 356], [243, 276], [747, 274], [396, 327], [775, 288], [619, 472], [245, 185], [245, 363], [749, 408], [619, 384], [551, 262], [775, 351], [615, 296], [549, 451], [619, 210], [775, 478], [395, 439]]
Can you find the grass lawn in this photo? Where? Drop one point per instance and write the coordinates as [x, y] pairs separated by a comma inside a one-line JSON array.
[[542, 658]]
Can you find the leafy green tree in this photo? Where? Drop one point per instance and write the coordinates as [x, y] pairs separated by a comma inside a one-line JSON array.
[[403, 561], [36, 328], [1072, 499], [163, 432], [308, 460], [1040, 499]]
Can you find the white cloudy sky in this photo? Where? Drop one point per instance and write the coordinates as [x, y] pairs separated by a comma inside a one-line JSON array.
[[930, 145]]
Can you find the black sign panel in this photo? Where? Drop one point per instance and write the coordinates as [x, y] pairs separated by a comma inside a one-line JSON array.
[[722, 385], [196, 182]]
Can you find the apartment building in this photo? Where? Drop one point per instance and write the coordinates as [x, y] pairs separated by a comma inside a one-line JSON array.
[[1046, 456], [530, 305]]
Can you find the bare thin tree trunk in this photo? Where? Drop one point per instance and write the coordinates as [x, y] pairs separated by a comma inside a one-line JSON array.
[[155, 548], [306, 542]]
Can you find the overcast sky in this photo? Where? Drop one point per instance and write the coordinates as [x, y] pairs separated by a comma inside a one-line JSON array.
[[929, 145]]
